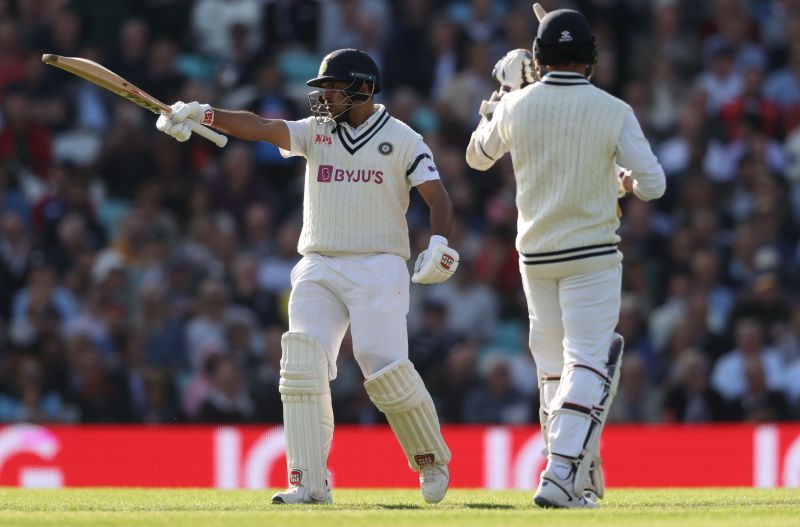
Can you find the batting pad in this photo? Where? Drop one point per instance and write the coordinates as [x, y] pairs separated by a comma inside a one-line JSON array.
[[548, 387], [307, 411], [398, 391], [579, 414]]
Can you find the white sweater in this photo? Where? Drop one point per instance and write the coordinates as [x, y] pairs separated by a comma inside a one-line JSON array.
[[563, 135]]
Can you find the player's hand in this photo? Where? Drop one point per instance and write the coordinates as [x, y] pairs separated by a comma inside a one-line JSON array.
[[201, 113], [177, 130], [625, 181], [435, 264], [514, 70]]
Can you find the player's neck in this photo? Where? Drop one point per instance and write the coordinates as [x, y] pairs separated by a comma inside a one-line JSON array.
[[571, 67], [359, 114]]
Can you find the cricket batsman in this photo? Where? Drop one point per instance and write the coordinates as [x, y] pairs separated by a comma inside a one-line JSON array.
[[360, 166], [567, 140]]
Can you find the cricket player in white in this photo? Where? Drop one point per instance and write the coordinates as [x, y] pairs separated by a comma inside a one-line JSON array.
[[566, 138], [361, 165]]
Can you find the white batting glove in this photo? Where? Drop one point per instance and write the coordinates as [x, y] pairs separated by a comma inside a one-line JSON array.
[[202, 113], [625, 181], [435, 264], [514, 70], [177, 130]]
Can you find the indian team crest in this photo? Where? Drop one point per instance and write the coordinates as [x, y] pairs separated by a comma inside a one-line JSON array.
[[385, 148]]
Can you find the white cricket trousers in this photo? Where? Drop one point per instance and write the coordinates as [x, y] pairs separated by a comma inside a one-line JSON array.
[[572, 319], [368, 292]]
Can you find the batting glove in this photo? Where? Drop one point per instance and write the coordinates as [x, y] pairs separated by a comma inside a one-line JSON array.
[[202, 113], [624, 180], [178, 130], [514, 70], [435, 264]]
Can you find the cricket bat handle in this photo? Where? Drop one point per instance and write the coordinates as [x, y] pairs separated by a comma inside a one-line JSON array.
[[204, 131], [539, 11]]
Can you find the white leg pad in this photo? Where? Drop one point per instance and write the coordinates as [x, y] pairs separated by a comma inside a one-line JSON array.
[[548, 386], [579, 415], [307, 412], [399, 392], [594, 479]]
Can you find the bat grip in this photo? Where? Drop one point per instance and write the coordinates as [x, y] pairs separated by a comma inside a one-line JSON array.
[[216, 138]]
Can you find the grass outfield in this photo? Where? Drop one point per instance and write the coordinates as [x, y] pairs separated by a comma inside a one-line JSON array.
[[461, 508]]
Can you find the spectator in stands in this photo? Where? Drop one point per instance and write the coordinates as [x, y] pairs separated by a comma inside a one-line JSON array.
[[274, 270], [496, 401], [783, 86], [721, 83], [15, 253], [430, 344], [208, 323], [760, 403], [690, 398], [637, 400], [729, 376], [227, 400]]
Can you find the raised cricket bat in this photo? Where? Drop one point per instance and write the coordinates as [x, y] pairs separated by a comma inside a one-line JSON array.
[[105, 78], [539, 11]]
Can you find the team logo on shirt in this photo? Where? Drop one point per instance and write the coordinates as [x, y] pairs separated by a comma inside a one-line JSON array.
[[385, 148]]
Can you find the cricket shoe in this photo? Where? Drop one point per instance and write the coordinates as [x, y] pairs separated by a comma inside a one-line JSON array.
[[433, 482], [297, 494], [556, 489]]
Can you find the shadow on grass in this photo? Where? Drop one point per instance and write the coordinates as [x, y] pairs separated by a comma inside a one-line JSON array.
[[487, 506], [399, 506]]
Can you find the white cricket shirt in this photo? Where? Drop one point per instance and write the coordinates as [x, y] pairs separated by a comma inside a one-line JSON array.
[[357, 183]]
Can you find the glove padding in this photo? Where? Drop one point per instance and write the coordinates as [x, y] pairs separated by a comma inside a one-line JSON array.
[[175, 125], [435, 264], [178, 130], [202, 113], [514, 70], [625, 183]]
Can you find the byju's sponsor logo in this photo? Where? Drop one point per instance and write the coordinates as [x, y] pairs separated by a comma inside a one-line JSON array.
[[325, 173], [329, 174]]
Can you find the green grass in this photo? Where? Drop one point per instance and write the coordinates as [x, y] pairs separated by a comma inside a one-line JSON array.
[[461, 508]]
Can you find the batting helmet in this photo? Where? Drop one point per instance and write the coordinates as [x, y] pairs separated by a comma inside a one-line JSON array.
[[564, 36], [350, 65]]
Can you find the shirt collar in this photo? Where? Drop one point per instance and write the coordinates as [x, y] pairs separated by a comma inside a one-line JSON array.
[[564, 78], [379, 110]]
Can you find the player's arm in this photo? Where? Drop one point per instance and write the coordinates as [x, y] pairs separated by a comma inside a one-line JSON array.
[[486, 146], [439, 261], [441, 208], [251, 127], [645, 177], [240, 124]]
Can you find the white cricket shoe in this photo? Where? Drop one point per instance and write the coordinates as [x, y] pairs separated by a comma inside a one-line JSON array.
[[297, 494], [433, 482], [557, 492]]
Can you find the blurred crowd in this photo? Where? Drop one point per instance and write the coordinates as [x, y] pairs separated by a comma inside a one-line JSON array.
[[143, 280]]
